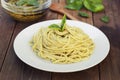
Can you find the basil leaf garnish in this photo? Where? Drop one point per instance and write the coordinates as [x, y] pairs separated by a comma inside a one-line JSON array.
[[63, 23], [105, 19], [83, 14]]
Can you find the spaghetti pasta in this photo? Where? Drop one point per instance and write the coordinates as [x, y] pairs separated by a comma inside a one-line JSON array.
[[71, 45]]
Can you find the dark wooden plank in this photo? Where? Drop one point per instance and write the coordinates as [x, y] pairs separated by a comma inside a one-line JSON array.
[[96, 19], [75, 14], [15, 69], [51, 15], [110, 67], [90, 19], [90, 74], [109, 12], [6, 30], [94, 72], [115, 40], [63, 3]]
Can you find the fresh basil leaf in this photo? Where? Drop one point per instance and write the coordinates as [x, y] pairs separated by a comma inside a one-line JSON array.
[[83, 14], [54, 26], [94, 5], [70, 6], [97, 1], [70, 1], [33, 2], [79, 3], [20, 2], [27, 2], [74, 4], [62, 25], [105, 19]]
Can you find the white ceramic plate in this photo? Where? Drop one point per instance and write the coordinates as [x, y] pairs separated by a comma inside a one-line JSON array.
[[24, 52]]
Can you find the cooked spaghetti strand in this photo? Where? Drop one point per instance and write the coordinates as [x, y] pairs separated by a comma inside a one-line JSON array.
[[71, 45]]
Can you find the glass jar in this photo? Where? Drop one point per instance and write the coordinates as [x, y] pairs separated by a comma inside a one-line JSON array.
[[25, 13]]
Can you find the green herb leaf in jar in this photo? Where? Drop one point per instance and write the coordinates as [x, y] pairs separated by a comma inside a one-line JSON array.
[[27, 3]]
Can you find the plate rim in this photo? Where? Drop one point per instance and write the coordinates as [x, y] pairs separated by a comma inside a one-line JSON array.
[[53, 70]]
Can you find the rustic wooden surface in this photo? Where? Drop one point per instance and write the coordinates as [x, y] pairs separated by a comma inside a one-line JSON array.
[[11, 68]]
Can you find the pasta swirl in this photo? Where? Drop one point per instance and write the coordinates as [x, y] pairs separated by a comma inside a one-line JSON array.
[[71, 45]]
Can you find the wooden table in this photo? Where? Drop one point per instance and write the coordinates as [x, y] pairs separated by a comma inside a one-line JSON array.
[[12, 68]]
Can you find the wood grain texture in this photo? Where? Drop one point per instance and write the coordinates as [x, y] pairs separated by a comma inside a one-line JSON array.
[[90, 74], [52, 15], [6, 31], [15, 69], [11, 68], [110, 67], [63, 2]]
